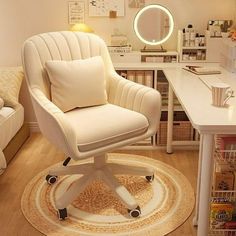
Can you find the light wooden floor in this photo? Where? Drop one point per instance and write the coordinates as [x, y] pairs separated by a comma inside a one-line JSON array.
[[37, 154]]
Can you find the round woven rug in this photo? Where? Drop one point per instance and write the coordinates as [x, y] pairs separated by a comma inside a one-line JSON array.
[[165, 203]]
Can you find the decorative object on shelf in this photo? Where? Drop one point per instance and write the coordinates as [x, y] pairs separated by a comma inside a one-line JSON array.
[[113, 14], [82, 28], [136, 3], [118, 39], [76, 12], [217, 27], [153, 25], [104, 7], [119, 43]]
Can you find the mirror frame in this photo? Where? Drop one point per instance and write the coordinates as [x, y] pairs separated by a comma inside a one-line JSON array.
[[171, 19]]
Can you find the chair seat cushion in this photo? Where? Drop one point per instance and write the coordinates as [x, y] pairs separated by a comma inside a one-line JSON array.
[[106, 124]]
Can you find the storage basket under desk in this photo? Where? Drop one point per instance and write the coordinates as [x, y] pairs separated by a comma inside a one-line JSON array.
[[182, 128], [182, 131], [224, 161]]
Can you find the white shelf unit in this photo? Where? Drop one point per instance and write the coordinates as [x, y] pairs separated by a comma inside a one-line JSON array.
[[190, 54], [223, 158], [210, 52]]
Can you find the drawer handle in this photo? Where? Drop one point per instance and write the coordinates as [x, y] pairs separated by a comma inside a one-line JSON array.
[[176, 124]]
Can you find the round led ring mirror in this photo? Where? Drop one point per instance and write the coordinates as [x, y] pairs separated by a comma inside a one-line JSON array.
[[153, 24]]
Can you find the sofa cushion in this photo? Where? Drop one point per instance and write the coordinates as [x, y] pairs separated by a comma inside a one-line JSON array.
[[78, 83], [11, 121], [106, 124], [10, 83]]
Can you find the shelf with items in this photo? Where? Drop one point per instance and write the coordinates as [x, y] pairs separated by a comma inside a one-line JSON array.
[[223, 198], [195, 52]]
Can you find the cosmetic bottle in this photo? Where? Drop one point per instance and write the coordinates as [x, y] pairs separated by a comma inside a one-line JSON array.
[[197, 40], [202, 40], [186, 37], [192, 37]]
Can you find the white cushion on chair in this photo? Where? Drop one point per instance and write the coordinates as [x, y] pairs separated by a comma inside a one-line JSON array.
[[103, 125], [77, 83]]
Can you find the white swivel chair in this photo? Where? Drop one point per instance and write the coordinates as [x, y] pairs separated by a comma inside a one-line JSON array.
[[131, 114]]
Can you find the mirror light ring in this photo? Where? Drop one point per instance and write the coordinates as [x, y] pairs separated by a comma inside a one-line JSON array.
[[171, 22]]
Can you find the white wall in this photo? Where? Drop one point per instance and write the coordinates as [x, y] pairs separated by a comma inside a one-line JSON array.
[[19, 19]]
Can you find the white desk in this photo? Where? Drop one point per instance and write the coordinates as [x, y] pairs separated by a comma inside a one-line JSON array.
[[195, 98]]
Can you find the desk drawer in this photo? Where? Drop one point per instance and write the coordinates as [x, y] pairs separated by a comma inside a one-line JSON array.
[[125, 57]]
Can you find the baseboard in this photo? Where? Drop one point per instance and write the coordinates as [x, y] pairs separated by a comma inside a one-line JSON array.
[[33, 126]]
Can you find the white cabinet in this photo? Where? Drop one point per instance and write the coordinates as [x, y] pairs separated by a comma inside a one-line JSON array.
[[126, 57], [150, 57]]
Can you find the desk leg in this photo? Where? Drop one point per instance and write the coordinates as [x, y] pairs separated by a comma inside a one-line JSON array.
[[170, 120], [195, 219], [205, 184]]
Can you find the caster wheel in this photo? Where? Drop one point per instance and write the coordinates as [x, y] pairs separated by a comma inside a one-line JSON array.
[[150, 178], [62, 214], [51, 179], [135, 212]]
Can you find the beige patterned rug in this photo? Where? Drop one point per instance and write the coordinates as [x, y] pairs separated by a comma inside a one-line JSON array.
[[165, 203]]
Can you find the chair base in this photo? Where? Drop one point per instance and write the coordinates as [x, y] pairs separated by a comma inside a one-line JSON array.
[[99, 169]]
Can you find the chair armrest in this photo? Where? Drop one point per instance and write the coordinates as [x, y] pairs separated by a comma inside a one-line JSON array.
[[136, 97], [54, 124]]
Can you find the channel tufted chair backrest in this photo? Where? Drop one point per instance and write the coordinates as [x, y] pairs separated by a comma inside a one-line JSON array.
[[64, 45]]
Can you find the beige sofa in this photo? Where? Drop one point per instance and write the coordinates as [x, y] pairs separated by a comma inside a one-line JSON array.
[[13, 131]]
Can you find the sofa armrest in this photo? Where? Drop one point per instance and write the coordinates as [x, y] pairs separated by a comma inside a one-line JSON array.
[[54, 124], [136, 97]]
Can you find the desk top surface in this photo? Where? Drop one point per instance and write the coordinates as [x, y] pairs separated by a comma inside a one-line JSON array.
[[196, 99]]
